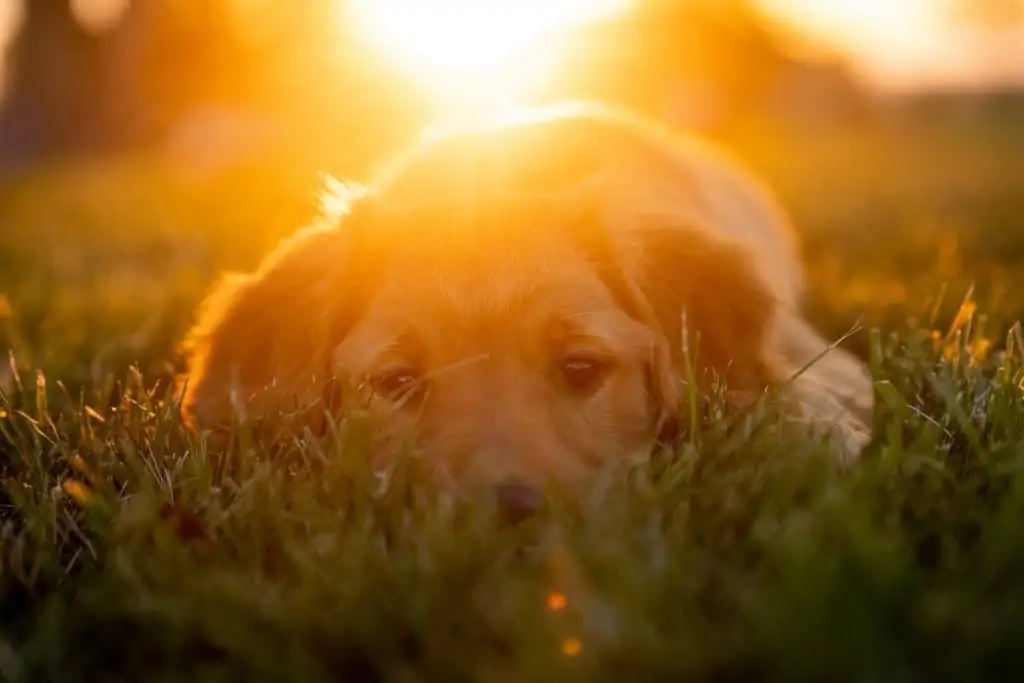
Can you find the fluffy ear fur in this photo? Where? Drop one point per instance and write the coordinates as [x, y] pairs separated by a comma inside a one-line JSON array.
[[718, 314], [714, 312], [262, 343], [262, 340]]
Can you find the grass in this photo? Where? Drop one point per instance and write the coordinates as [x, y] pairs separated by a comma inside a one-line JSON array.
[[131, 550]]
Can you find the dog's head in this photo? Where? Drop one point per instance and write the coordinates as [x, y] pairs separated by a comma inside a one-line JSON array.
[[507, 334]]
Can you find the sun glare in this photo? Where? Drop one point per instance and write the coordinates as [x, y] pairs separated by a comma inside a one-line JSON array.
[[475, 49]]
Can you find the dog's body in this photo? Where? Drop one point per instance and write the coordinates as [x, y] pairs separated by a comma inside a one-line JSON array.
[[529, 299]]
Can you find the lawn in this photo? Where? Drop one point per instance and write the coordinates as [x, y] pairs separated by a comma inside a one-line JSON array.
[[131, 550]]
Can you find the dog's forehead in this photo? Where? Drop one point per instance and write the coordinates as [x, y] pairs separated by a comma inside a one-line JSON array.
[[490, 282], [485, 252], [493, 276]]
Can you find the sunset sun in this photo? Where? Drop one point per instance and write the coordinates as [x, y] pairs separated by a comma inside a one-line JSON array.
[[473, 49]]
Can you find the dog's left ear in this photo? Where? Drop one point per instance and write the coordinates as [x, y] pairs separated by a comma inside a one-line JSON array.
[[719, 317], [261, 345], [714, 311]]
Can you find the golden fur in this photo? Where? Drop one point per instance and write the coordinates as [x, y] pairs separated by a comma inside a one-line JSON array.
[[527, 299]]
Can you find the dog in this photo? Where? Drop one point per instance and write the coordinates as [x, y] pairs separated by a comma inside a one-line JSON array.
[[528, 298]]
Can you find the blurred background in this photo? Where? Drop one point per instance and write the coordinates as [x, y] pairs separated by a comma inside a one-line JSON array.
[[146, 145]]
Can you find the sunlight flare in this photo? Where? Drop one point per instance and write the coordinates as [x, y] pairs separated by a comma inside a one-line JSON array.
[[77, 491], [468, 37], [557, 602], [470, 52], [572, 647]]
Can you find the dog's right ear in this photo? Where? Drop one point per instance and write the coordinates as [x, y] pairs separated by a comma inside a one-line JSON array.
[[262, 341]]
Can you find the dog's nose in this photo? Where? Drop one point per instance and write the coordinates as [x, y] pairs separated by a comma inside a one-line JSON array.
[[518, 501]]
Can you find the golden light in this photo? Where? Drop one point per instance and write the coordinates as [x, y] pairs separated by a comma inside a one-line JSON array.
[[77, 491], [557, 602], [475, 51], [572, 647]]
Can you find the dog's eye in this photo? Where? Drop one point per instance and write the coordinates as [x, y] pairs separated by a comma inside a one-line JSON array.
[[396, 384], [583, 373]]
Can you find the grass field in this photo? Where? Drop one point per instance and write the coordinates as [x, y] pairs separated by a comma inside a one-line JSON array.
[[132, 551]]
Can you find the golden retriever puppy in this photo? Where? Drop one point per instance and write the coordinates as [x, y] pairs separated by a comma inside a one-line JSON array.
[[527, 299]]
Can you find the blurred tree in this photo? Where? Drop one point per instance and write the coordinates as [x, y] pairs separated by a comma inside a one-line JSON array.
[[100, 74], [75, 78], [994, 32], [990, 13], [702, 62], [52, 65]]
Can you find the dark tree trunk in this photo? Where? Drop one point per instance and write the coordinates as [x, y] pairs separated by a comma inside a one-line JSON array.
[[51, 96]]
